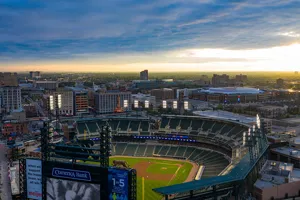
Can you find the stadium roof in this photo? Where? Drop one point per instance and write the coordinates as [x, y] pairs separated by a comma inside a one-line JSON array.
[[232, 90], [238, 173], [220, 114]]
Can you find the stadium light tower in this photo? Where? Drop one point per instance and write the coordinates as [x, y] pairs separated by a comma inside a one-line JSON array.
[[146, 104], [136, 104], [175, 105], [164, 104], [186, 105], [248, 142]]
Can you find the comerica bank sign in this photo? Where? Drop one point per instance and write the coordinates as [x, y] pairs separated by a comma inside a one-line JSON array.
[[71, 174]]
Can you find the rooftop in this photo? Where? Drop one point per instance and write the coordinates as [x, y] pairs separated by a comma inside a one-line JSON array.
[[288, 151], [233, 90], [219, 114], [277, 173]]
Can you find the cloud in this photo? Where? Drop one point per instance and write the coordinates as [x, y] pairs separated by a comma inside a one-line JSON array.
[[63, 30]]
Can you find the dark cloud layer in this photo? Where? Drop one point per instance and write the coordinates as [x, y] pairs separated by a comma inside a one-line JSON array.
[[63, 29]]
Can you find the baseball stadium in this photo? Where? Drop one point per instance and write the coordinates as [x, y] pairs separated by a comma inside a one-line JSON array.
[[182, 157]]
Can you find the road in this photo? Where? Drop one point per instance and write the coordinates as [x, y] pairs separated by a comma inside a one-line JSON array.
[[5, 189], [37, 106]]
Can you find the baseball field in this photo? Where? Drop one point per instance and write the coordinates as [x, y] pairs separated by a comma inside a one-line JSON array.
[[158, 172]]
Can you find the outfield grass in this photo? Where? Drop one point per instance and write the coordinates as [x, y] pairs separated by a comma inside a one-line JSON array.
[[182, 174]]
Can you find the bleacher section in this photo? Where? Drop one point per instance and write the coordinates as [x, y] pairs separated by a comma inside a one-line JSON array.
[[214, 162], [228, 132], [125, 126]]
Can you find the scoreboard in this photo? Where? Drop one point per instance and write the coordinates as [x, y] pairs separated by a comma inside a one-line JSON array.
[[118, 182]]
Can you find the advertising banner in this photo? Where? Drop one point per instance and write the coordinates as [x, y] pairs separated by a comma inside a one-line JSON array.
[[118, 184], [71, 174], [34, 179], [58, 189]]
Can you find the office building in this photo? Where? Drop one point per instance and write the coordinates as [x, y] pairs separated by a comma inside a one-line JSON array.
[[163, 94], [108, 102], [8, 79], [46, 85], [204, 80], [241, 78], [67, 102], [280, 83], [220, 80], [11, 98], [144, 75], [35, 74]]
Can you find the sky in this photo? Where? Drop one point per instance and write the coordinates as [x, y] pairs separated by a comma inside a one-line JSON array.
[[158, 35]]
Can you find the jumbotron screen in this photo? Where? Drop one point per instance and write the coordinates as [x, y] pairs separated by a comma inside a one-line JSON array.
[[58, 189]]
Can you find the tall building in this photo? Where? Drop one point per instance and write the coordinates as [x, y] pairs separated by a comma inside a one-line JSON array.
[[8, 79], [81, 102], [220, 80], [35, 74], [144, 75], [67, 101], [10, 98], [163, 94], [107, 102], [280, 83]]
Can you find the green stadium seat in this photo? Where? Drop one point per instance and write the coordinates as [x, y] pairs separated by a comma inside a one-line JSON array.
[[81, 127], [185, 124], [123, 125], [164, 122], [134, 125], [172, 151], [130, 150]]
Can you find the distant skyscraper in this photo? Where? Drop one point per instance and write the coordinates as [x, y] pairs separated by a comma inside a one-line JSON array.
[[35, 75], [280, 83], [220, 80], [144, 75]]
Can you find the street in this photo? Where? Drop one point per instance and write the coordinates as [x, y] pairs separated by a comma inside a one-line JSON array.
[[5, 189]]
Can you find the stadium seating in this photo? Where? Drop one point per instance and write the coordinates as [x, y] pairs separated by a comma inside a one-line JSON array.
[[144, 126], [164, 122], [81, 127], [141, 150], [217, 127], [174, 123], [172, 151], [214, 162], [149, 150], [123, 125], [185, 124], [130, 150], [92, 126], [113, 124], [180, 152], [134, 125], [197, 124]]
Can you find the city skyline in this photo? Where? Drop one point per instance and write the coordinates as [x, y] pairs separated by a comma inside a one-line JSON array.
[[161, 36]]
